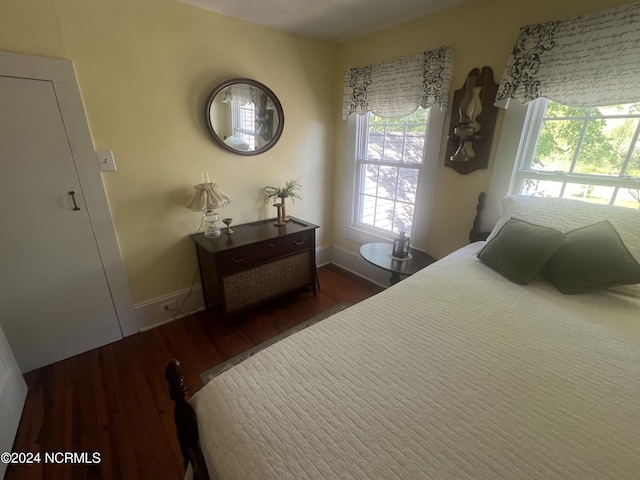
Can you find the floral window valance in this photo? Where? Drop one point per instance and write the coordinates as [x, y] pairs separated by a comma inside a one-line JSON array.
[[397, 87], [586, 61]]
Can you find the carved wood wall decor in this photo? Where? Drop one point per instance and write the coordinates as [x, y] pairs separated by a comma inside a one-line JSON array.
[[477, 142]]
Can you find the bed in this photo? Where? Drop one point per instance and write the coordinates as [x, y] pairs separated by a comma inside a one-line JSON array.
[[461, 371]]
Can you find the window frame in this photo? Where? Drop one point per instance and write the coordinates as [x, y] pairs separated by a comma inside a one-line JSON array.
[[237, 114], [526, 150], [344, 205], [360, 160]]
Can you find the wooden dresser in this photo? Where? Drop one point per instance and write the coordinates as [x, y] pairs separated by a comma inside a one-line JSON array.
[[258, 262]]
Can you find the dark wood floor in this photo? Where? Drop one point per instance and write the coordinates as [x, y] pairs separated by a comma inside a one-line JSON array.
[[113, 400]]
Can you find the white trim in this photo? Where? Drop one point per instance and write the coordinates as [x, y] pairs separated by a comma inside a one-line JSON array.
[[62, 75], [323, 255], [354, 263], [150, 314], [427, 191], [426, 181], [13, 394], [360, 235], [505, 163]]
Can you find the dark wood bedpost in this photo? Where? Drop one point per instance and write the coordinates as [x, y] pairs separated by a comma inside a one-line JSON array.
[[476, 234], [186, 422]]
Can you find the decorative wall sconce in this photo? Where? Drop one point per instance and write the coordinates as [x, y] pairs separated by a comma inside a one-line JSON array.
[[473, 120]]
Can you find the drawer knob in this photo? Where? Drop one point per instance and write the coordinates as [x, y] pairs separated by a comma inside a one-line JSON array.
[[300, 242], [238, 260]]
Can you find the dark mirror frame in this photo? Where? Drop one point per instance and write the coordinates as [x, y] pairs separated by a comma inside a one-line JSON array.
[[278, 108]]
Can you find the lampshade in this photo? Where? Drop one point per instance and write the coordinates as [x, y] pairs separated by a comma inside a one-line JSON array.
[[208, 196]]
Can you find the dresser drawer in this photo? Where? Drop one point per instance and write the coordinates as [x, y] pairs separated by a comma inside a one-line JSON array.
[[245, 257], [293, 243], [242, 258]]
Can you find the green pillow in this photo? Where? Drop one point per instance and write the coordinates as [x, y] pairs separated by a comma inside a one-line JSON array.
[[520, 250], [592, 257]]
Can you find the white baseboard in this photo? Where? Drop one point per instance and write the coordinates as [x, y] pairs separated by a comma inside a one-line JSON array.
[[357, 265], [323, 255], [151, 313]]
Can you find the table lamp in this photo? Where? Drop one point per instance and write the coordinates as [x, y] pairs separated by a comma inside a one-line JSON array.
[[207, 198]]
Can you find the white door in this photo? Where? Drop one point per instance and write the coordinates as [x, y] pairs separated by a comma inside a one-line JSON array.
[[54, 296], [13, 392]]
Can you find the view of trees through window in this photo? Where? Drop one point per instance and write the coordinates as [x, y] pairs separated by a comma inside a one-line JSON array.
[[389, 169], [592, 154]]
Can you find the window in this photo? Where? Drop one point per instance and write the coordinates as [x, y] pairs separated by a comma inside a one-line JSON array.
[[591, 154], [389, 167], [243, 121]]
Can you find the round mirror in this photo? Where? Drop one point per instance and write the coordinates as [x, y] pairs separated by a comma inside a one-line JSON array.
[[244, 116]]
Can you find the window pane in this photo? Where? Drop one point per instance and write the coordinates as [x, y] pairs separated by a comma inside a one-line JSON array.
[[419, 117], [368, 209], [557, 145], [393, 145], [583, 142], [414, 147], [375, 145], [246, 117], [407, 185], [404, 217], [384, 214], [628, 198], [387, 191], [633, 169], [370, 179], [557, 110], [626, 109], [397, 139], [248, 138], [387, 180], [605, 146], [376, 120], [589, 193], [541, 188]]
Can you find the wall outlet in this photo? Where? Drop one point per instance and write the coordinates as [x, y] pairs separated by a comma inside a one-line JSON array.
[[170, 306]]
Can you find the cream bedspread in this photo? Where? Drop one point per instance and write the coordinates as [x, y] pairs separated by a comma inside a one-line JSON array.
[[454, 373]]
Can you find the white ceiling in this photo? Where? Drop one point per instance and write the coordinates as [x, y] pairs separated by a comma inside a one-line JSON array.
[[330, 20]]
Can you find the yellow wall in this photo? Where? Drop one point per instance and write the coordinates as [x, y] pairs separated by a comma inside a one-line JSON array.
[[145, 69], [482, 32]]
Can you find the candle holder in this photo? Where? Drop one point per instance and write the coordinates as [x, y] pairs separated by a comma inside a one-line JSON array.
[[280, 221], [400, 246], [227, 221]]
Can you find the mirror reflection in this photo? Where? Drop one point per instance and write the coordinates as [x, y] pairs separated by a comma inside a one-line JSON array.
[[244, 116]]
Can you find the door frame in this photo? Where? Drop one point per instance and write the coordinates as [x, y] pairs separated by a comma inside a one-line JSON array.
[[13, 393], [62, 76]]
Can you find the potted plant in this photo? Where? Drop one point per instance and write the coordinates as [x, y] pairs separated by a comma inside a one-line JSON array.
[[290, 190]]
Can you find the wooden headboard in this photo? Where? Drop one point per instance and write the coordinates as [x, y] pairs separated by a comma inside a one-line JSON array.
[[476, 235]]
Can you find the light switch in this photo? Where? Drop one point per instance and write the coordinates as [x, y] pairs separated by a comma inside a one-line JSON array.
[[106, 161]]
